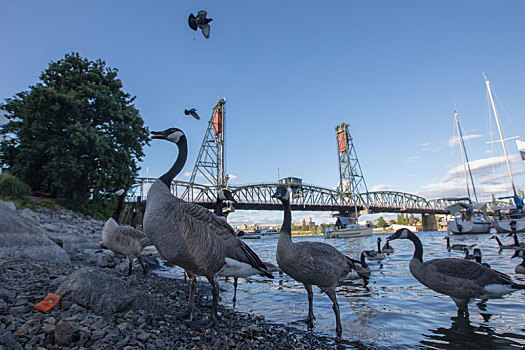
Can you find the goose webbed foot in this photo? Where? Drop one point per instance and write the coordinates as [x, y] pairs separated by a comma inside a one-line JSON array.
[[309, 321], [183, 316]]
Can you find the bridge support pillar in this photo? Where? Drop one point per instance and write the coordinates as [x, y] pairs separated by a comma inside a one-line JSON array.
[[429, 222]]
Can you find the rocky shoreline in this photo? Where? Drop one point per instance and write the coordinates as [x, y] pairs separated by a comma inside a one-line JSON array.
[[101, 307]]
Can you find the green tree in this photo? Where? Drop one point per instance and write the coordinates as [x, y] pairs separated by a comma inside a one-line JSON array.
[[381, 222], [76, 132]]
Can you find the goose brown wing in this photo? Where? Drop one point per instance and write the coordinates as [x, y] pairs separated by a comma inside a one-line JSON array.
[[470, 270], [203, 216], [240, 251]]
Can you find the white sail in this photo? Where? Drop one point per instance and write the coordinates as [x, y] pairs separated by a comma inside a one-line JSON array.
[[521, 148]]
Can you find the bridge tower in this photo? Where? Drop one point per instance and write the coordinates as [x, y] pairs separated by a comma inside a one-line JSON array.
[[210, 161], [352, 182]]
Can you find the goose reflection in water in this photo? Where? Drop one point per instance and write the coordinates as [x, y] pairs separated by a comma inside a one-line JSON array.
[[463, 335]]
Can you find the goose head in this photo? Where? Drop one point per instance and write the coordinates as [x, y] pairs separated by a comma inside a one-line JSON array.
[[282, 193], [174, 135], [520, 253], [402, 233], [226, 195], [476, 252]]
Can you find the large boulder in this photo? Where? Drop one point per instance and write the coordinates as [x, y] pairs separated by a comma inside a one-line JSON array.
[[21, 239], [103, 293]]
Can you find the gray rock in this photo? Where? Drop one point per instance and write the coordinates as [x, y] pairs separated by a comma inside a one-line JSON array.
[[103, 293], [30, 216], [20, 239], [51, 227], [66, 332]]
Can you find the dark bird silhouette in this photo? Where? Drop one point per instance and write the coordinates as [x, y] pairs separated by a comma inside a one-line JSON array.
[[192, 112], [200, 22]]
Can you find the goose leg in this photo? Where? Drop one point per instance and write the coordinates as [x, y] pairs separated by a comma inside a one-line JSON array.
[[130, 266], [144, 267], [335, 306], [191, 296], [235, 290], [213, 318], [462, 305], [310, 319]]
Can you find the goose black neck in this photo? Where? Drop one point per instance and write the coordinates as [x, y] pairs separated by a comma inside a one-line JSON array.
[[179, 163], [378, 247], [418, 252], [287, 220], [516, 241], [218, 207], [363, 260], [117, 211]]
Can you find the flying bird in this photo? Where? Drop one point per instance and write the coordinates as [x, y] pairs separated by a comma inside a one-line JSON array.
[[192, 112], [200, 22]]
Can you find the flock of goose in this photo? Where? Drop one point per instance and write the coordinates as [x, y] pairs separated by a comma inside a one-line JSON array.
[[204, 244]]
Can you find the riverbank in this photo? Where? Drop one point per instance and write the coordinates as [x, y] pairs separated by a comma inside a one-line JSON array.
[[83, 322]]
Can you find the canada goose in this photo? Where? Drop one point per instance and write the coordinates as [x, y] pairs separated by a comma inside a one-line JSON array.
[[501, 245], [477, 257], [242, 267], [362, 270], [521, 267], [460, 279], [311, 263], [375, 255], [187, 234], [468, 256], [517, 244], [387, 249], [124, 240], [457, 246]]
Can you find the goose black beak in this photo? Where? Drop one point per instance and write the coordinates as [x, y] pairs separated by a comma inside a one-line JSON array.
[[158, 135]]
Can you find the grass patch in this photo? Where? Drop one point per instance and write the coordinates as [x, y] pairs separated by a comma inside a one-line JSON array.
[[14, 189]]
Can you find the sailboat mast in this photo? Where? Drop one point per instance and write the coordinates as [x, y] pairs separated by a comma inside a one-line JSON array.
[[487, 82], [464, 157]]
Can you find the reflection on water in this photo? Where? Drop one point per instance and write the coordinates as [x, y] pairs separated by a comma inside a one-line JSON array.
[[394, 310]]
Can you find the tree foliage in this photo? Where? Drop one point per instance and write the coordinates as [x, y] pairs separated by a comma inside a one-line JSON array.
[[381, 222], [76, 132]]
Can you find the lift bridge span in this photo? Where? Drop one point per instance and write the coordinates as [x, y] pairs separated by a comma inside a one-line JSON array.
[[349, 199]]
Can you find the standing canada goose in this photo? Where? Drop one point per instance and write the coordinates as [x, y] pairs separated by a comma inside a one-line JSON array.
[[375, 255], [311, 263], [387, 249], [501, 245], [477, 257], [243, 267], [517, 244], [188, 235], [460, 279], [468, 256], [124, 240], [521, 267], [457, 246]]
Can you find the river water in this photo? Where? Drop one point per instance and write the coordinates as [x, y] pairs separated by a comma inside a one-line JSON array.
[[394, 311]]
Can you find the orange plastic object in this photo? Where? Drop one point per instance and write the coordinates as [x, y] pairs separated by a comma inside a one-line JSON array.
[[48, 303]]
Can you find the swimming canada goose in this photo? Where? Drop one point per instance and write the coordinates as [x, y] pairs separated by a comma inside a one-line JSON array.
[[375, 255], [517, 244], [187, 234], [460, 279], [477, 257], [468, 256], [124, 240], [501, 245], [311, 263], [457, 246], [240, 268], [521, 267], [362, 270], [387, 249]]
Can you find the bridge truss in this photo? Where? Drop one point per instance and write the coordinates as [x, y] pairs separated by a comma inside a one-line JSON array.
[[351, 194]]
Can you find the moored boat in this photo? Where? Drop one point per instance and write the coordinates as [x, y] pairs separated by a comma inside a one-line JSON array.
[[344, 228]]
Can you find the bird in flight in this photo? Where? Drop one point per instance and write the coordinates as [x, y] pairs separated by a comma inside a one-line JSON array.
[[200, 22], [192, 112]]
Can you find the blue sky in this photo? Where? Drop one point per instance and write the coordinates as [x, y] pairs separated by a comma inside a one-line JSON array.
[[291, 71]]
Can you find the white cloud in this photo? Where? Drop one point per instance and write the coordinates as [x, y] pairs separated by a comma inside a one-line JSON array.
[[382, 187], [454, 141]]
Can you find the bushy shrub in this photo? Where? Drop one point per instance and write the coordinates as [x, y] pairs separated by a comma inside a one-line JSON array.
[[12, 188]]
